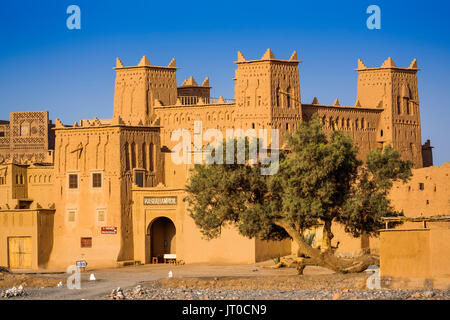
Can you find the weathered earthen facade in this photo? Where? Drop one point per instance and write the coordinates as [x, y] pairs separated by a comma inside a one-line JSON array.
[[108, 192], [27, 138]]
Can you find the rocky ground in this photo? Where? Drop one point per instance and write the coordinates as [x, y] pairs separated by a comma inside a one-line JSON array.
[[9, 280], [203, 282], [158, 293], [307, 287]]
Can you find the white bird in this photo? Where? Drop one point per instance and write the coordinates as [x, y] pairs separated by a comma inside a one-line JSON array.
[[60, 284], [170, 274], [92, 277]]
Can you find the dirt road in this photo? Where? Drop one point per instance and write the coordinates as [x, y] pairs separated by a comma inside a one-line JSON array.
[[129, 277]]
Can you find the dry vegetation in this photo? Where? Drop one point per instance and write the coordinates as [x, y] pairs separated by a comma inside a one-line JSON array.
[[9, 280], [304, 282]]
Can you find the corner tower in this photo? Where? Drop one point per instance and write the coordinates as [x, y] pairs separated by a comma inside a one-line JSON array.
[[394, 90], [139, 88], [267, 92]]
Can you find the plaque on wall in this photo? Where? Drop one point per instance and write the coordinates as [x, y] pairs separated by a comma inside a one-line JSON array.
[[109, 230], [157, 201]]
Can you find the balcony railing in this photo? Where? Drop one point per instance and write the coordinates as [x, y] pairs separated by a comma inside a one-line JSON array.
[[192, 100]]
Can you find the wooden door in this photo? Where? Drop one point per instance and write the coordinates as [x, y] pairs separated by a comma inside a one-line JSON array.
[[20, 249]]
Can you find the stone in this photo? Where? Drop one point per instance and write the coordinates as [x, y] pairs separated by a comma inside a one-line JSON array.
[[416, 295], [336, 296]]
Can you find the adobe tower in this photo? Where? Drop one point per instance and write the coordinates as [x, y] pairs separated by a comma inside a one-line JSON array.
[[139, 88], [267, 92], [394, 90]]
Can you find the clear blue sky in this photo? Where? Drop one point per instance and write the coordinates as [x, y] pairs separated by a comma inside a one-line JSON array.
[[45, 66]]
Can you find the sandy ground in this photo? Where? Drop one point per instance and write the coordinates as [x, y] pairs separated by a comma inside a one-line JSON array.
[[8, 280], [43, 286], [255, 280], [293, 282]]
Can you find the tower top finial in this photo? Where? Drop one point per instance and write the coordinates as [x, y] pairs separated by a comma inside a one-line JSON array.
[[205, 82], [294, 56], [413, 64], [172, 63], [336, 103], [189, 82], [241, 57], [268, 55], [144, 62], [119, 63], [389, 63], [361, 64]]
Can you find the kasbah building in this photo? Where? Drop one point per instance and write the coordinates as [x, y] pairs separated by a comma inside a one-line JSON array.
[[106, 191]]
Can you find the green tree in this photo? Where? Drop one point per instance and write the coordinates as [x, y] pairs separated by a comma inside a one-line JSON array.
[[369, 200], [320, 181]]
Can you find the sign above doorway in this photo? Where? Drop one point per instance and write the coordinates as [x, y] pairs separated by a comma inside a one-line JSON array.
[[152, 201]]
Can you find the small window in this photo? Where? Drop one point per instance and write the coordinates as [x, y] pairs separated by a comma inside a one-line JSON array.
[[73, 181], [139, 179], [96, 180], [24, 129], [86, 242], [253, 125], [288, 97], [277, 96], [381, 133], [421, 186], [2, 134], [287, 126], [406, 103], [101, 215], [71, 215]]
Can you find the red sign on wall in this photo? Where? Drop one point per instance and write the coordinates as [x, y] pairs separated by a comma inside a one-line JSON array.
[[109, 230]]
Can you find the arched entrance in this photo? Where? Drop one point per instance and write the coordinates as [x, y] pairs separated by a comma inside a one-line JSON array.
[[161, 234]]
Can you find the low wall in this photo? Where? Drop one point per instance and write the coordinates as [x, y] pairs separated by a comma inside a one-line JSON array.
[[416, 256]]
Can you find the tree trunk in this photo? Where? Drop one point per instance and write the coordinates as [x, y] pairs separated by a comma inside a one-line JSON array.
[[365, 243], [321, 258], [327, 236]]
